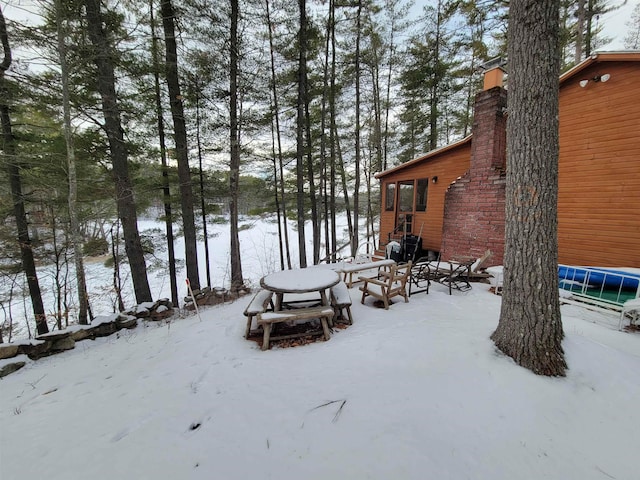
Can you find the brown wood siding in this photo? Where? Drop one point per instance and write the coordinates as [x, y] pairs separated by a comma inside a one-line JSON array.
[[447, 167], [599, 169]]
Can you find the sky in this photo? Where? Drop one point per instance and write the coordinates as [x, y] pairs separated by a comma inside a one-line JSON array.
[[414, 392], [615, 25]]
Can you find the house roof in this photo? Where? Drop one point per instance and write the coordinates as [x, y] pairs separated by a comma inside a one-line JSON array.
[[597, 57], [426, 156]]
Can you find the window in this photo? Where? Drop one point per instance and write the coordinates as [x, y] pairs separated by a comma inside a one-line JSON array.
[[390, 196], [406, 196], [421, 195]]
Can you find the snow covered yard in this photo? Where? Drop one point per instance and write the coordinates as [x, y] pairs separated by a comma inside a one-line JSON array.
[[415, 392]]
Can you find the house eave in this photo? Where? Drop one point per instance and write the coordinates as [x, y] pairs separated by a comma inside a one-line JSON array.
[[598, 57], [431, 154]]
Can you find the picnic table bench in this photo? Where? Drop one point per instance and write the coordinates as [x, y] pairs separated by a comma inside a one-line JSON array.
[[261, 301], [267, 319], [341, 300]]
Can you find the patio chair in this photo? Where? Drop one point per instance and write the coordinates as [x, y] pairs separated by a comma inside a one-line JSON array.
[[423, 272], [392, 283], [452, 274], [456, 275]]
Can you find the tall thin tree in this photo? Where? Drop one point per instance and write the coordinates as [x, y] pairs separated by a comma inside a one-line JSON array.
[[166, 191], [237, 281], [74, 222], [530, 326], [356, 187], [102, 54], [284, 230], [180, 136], [300, 128], [15, 178]]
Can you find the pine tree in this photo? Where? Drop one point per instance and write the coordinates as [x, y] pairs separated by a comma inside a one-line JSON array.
[[102, 55], [12, 163], [530, 326]]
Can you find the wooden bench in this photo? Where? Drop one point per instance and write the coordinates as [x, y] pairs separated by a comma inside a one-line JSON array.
[[341, 300], [261, 301], [350, 268], [267, 319]]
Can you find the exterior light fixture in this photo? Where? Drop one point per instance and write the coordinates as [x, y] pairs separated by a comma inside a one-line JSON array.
[[434, 179], [596, 79]]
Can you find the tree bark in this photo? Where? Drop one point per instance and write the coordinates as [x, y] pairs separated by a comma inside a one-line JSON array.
[[284, 231], [74, 223], [102, 56], [15, 180], [300, 148], [234, 175], [180, 134], [166, 191], [356, 187], [530, 326]]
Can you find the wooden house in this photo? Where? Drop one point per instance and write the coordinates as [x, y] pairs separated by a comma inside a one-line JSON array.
[[454, 197]]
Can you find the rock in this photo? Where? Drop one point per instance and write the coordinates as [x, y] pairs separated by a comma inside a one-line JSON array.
[[62, 344], [104, 329], [161, 314], [8, 368], [165, 302], [142, 312], [35, 349], [8, 350], [55, 335], [82, 334], [127, 321]]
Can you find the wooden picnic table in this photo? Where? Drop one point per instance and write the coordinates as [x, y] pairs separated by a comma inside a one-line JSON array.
[[298, 281], [301, 280]]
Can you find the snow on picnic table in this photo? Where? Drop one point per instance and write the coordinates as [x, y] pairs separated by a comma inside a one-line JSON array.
[[415, 392]]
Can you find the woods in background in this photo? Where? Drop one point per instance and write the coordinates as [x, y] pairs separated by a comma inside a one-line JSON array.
[[276, 106]]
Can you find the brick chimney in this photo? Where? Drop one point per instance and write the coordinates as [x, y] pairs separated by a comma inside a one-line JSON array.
[[474, 210]]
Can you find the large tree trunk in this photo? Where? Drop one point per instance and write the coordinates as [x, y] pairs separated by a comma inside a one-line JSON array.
[[119, 154], [530, 327], [74, 223], [300, 149], [15, 180], [180, 134], [234, 175]]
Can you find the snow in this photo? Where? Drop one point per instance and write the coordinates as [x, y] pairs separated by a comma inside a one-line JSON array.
[[418, 391], [414, 392]]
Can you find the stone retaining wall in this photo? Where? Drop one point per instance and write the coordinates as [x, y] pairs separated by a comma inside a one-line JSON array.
[[13, 356]]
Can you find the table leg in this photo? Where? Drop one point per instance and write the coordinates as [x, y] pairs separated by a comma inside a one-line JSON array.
[[265, 337], [325, 328]]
